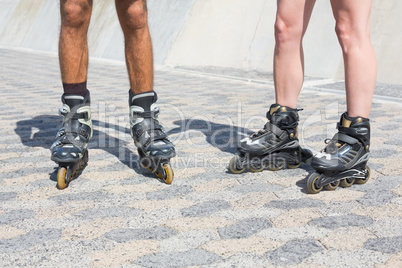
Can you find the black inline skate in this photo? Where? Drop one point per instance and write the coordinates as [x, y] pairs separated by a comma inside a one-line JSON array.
[[70, 150], [275, 145], [153, 145], [344, 160]]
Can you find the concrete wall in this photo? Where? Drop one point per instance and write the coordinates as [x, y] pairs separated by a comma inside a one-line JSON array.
[[202, 33]]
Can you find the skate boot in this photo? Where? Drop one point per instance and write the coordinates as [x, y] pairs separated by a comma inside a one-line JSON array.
[[344, 159], [275, 145], [153, 145], [70, 150]]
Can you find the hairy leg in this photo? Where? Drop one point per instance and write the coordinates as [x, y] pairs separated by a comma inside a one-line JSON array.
[[73, 47], [292, 19], [353, 30], [138, 45]]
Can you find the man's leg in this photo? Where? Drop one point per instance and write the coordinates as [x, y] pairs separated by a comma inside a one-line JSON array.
[[154, 147], [353, 30], [73, 46], [70, 149], [133, 17], [292, 19]]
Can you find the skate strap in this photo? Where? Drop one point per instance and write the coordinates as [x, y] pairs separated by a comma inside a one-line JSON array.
[[274, 129], [150, 114], [82, 115], [344, 138], [156, 132]]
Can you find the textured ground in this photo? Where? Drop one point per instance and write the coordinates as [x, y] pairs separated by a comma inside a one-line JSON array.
[[117, 214]]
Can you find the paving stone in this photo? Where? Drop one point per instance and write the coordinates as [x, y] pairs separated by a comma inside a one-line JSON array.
[[169, 192], [294, 204], [29, 240], [195, 257], [244, 228], [293, 252], [385, 244], [347, 238], [94, 213], [377, 198], [16, 215], [246, 260], [205, 209], [333, 222], [125, 235], [72, 197], [187, 240], [245, 188], [391, 226], [118, 214], [6, 196], [358, 258]]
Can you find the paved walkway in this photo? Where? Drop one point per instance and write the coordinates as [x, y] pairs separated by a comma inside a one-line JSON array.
[[117, 214]]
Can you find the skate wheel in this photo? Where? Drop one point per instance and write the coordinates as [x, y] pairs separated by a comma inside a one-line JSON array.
[[234, 167], [146, 163], [169, 173], [294, 166], [345, 183], [61, 178], [312, 184], [332, 186], [366, 178], [276, 166], [257, 168], [257, 165]]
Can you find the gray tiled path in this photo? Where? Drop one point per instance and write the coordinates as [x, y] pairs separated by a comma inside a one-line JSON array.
[[119, 215]]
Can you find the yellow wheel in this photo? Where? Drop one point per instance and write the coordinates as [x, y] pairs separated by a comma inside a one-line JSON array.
[[312, 184], [276, 166], [257, 165], [255, 168], [169, 173], [366, 178], [345, 183], [332, 186], [233, 165], [61, 178], [291, 166]]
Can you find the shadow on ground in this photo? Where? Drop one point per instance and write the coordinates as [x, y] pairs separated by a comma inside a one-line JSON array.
[[40, 131]]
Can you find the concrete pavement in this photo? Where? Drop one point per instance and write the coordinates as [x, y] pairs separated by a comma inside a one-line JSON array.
[[118, 215]]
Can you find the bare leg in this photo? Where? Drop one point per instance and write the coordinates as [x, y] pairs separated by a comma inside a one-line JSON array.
[[292, 19], [138, 46], [73, 47], [353, 30]]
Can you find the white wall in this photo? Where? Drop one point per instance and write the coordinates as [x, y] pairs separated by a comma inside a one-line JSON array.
[[203, 33]]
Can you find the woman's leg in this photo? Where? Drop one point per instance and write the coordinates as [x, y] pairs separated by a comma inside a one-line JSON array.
[[353, 30], [292, 19]]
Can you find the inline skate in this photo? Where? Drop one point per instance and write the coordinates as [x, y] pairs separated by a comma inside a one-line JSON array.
[[153, 144], [70, 150], [275, 145], [344, 160]]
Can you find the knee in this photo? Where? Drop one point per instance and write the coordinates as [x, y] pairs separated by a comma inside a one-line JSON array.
[[75, 13], [343, 33], [350, 35], [285, 33], [136, 15]]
